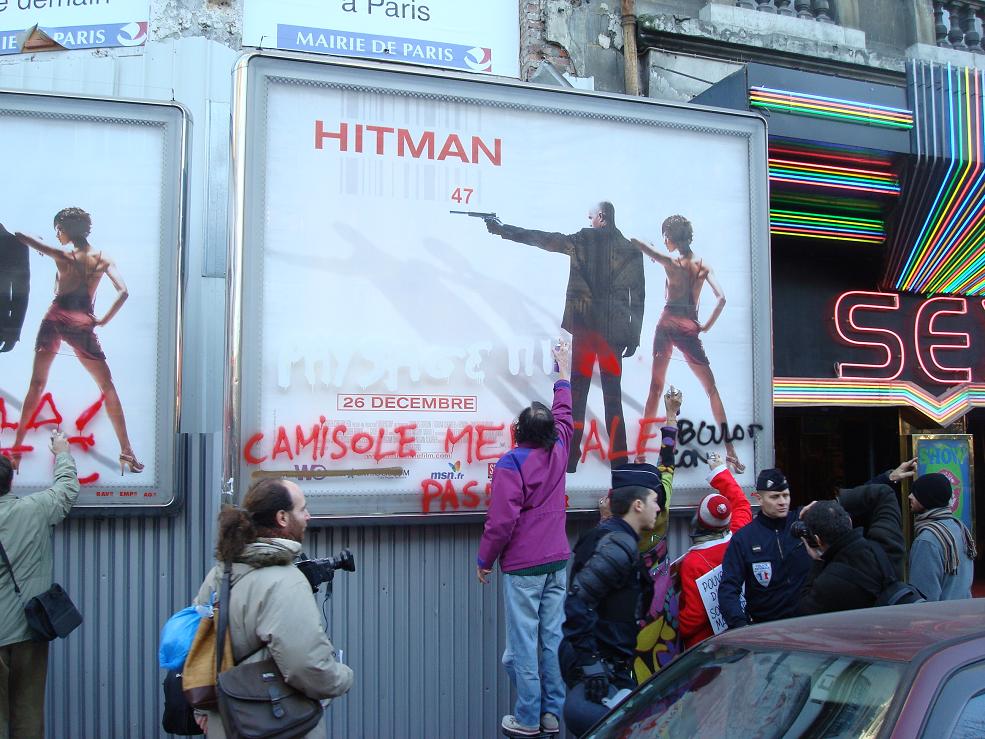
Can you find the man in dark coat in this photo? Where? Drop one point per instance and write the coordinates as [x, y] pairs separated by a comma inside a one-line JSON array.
[[606, 595], [603, 312], [15, 285], [849, 570], [875, 510]]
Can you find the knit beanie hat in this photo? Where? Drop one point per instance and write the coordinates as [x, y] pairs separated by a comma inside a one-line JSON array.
[[714, 512], [933, 490]]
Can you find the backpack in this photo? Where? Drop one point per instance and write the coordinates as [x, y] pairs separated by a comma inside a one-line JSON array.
[[896, 592], [899, 593]]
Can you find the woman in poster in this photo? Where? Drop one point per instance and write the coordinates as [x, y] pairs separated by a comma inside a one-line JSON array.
[[679, 325], [70, 318]]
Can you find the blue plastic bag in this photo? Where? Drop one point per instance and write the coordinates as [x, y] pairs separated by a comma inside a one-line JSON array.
[[177, 636]]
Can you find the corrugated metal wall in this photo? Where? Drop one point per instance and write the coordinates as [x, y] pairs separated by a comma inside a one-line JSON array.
[[423, 637], [129, 575]]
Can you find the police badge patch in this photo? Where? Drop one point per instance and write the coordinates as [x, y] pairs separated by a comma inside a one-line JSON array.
[[763, 572]]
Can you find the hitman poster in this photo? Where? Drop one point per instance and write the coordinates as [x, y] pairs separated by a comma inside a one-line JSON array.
[[88, 263], [414, 244]]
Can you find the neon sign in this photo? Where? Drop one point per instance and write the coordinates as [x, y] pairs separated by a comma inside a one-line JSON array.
[[819, 106], [854, 325]]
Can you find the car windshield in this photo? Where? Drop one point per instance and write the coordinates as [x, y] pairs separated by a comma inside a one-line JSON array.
[[762, 693]]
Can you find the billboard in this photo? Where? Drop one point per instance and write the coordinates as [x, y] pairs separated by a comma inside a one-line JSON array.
[[74, 25], [90, 250], [411, 244], [472, 37]]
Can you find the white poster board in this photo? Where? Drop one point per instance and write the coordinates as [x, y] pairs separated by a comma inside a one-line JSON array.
[[708, 590], [116, 170], [75, 25], [467, 36], [388, 343]]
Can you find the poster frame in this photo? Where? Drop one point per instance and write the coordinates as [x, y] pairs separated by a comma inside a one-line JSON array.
[[175, 121], [251, 74]]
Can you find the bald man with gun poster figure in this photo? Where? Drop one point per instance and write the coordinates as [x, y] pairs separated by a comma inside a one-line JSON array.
[[603, 312]]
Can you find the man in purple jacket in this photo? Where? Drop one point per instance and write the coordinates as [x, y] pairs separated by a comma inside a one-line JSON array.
[[525, 532]]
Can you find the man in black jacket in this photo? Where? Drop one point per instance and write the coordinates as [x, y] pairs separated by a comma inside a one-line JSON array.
[[849, 570], [604, 601], [875, 509], [15, 285], [603, 312]]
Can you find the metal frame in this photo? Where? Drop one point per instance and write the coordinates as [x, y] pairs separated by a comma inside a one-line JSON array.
[[249, 118], [175, 122]]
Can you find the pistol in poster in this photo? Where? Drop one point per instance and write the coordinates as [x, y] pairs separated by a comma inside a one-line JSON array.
[[474, 214]]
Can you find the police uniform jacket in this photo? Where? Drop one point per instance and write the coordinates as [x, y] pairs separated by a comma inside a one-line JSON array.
[[773, 566]]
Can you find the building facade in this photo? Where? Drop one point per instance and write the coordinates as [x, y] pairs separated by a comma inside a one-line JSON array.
[[875, 127]]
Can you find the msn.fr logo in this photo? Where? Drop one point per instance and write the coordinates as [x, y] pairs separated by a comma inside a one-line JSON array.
[[455, 472]]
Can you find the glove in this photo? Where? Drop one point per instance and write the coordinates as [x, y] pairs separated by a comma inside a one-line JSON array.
[[630, 351], [494, 225], [596, 679]]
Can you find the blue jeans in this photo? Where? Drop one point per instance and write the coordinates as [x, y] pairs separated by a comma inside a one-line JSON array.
[[534, 614]]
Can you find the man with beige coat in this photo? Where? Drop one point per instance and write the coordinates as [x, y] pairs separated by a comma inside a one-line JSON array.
[[272, 613], [26, 525]]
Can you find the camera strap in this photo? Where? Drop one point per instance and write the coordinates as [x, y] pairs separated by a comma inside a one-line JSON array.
[[225, 590], [10, 568], [220, 634]]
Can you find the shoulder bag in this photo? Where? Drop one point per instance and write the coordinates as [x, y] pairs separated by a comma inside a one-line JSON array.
[[49, 615], [254, 700], [198, 676]]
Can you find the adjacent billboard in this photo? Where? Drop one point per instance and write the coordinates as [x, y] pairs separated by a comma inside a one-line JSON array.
[[90, 254], [80, 24], [468, 36], [409, 246]]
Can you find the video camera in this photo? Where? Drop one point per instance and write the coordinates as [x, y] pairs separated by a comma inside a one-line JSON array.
[[323, 570]]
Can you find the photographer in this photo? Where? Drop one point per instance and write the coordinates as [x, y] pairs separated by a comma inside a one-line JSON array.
[[874, 507], [849, 571], [272, 614]]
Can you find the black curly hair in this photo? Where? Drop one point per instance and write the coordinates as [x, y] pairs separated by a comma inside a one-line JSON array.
[[74, 223]]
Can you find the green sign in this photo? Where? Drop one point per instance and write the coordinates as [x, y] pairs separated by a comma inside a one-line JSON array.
[[951, 455]]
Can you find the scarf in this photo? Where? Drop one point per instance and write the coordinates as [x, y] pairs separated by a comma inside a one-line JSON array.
[[933, 521]]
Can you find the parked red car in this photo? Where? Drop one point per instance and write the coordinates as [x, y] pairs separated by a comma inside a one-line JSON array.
[[901, 671]]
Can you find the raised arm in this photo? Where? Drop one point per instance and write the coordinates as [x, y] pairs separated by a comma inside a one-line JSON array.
[[40, 246], [721, 479], [561, 408], [655, 255], [121, 293], [719, 306], [546, 240]]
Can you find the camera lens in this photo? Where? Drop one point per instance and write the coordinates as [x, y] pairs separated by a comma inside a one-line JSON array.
[[798, 529]]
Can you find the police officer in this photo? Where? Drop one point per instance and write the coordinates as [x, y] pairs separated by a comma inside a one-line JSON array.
[[766, 558]]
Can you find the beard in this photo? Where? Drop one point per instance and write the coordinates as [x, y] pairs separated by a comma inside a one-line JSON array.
[[295, 530]]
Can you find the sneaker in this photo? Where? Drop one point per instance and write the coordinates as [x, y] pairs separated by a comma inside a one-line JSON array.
[[549, 724], [512, 727]]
